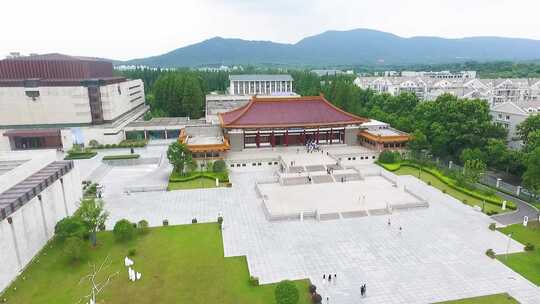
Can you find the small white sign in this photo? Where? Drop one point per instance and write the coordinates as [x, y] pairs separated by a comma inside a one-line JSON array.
[[504, 205], [525, 220]]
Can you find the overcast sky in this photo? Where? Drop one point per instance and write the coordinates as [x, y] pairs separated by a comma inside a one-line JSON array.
[[122, 29]]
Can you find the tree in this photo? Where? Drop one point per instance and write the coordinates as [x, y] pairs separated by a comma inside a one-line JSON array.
[[94, 216], [531, 124], [473, 169], [71, 226], [470, 154], [179, 156], [286, 293], [73, 248], [533, 141], [531, 177], [124, 230], [219, 166], [97, 287], [417, 143]]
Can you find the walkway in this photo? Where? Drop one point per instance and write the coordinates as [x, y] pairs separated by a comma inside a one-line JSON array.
[[439, 255], [524, 209]]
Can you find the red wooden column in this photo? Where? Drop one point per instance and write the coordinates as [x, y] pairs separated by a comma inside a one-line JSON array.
[[304, 137], [286, 137], [273, 139], [331, 136], [317, 136], [258, 139]]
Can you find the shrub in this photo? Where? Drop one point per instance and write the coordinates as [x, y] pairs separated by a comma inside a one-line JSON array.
[[492, 212], [490, 253], [444, 191], [429, 183], [107, 146], [529, 247], [219, 166], [194, 220], [465, 201], [93, 143], [492, 226], [143, 227], [389, 157], [123, 230], [316, 298], [74, 248], [312, 289], [286, 293], [71, 226], [253, 281], [165, 222], [132, 252]]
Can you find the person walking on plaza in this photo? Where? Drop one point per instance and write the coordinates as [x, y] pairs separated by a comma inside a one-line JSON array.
[[329, 278], [389, 223], [335, 278], [365, 289], [324, 278]]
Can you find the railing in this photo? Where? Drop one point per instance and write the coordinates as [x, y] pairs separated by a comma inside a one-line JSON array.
[[486, 179]]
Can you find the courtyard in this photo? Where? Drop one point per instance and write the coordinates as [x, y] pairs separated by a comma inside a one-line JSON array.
[[438, 256]]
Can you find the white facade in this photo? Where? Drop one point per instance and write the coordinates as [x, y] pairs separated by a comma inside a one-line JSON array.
[[440, 74], [66, 104], [24, 233], [69, 108], [260, 84], [510, 115], [494, 91]]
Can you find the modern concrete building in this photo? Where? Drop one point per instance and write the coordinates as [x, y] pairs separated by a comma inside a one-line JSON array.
[[36, 191], [261, 84], [511, 114], [53, 101]]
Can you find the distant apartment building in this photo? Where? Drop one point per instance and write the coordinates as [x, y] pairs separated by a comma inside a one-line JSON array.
[[322, 73], [493, 91], [277, 84], [54, 100], [511, 114], [440, 74]]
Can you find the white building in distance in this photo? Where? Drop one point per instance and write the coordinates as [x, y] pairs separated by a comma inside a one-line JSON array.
[[494, 91], [278, 84]]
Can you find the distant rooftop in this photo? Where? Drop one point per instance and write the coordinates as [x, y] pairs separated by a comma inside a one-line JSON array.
[[261, 77], [55, 56]]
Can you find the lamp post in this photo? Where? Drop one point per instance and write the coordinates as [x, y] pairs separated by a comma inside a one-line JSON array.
[[508, 246]]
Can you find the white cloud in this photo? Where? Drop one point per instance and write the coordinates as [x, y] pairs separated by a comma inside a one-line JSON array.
[[130, 29]]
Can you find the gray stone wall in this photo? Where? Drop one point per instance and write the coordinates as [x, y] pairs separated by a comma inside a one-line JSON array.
[[351, 136], [236, 140], [32, 226]]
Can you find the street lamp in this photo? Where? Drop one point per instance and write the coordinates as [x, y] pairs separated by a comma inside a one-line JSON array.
[[508, 246]]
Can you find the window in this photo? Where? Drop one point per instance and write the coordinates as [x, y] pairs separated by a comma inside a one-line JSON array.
[[269, 163], [500, 116], [253, 164], [507, 117], [275, 163], [232, 165], [243, 165]]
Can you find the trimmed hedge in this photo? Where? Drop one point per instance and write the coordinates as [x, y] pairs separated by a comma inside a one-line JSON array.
[[80, 155], [451, 183], [223, 177], [126, 156], [123, 144]]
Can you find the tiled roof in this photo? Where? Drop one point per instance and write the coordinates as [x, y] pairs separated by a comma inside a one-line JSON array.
[[288, 112]]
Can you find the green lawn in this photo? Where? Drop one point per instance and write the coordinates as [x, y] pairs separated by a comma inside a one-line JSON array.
[[179, 264], [435, 182], [525, 263], [201, 182], [502, 298]]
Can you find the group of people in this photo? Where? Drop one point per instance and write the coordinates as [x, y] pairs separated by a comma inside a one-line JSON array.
[[329, 278], [312, 146]]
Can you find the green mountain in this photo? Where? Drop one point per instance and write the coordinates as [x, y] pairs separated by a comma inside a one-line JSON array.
[[360, 46]]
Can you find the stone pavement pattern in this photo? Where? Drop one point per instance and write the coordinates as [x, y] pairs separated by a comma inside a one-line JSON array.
[[439, 255]]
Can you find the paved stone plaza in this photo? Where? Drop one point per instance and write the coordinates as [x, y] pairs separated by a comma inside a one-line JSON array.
[[439, 255]]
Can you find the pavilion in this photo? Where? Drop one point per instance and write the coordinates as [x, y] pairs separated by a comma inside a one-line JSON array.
[[288, 121]]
